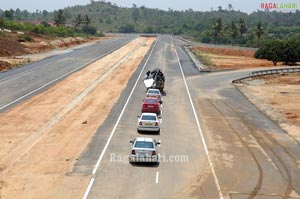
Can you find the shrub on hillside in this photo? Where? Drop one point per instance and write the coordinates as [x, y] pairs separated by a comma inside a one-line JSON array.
[[89, 29], [25, 37]]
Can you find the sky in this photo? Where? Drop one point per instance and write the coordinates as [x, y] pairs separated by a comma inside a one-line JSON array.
[[197, 5]]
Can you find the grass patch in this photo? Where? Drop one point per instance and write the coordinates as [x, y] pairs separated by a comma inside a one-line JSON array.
[[25, 37], [203, 57]]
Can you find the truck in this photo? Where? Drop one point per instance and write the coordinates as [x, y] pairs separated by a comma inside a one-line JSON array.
[[155, 79]]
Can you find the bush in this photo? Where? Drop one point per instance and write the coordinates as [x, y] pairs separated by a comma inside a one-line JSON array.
[[128, 28], [89, 29], [25, 37], [40, 29]]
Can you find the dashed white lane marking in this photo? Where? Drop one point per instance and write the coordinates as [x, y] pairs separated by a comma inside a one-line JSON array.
[[115, 127], [4, 90], [157, 177], [200, 130], [16, 85], [23, 82]]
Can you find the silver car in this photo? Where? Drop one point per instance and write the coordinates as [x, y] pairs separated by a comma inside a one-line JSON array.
[[154, 93], [144, 150], [148, 122]]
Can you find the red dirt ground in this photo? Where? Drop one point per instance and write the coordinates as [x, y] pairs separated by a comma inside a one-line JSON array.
[[229, 58]]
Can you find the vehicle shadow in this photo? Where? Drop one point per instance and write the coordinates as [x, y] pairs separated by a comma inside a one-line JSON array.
[[145, 164], [149, 132], [163, 93]]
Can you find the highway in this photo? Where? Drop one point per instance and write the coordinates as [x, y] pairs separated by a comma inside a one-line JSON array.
[[115, 178], [22, 83], [214, 142]]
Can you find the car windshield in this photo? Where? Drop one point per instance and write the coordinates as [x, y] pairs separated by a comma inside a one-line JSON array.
[[153, 92], [148, 117], [151, 101], [143, 144]]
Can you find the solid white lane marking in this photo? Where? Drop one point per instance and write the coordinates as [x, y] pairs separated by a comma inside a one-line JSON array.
[[157, 176], [45, 85], [89, 188], [200, 129], [116, 124]]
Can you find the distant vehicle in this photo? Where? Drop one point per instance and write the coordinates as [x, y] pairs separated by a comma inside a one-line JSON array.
[[155, 79], [154, 93], [144, 150], [151, 105], [148, 122]]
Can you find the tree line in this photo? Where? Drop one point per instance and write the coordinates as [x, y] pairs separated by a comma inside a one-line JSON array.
[[80, 26], [221, 26], [232, 33]]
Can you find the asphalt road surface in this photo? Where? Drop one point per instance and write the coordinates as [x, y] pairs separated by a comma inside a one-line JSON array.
[[22, 83], [214, 142]]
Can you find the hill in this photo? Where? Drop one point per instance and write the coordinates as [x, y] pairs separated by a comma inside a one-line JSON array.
[[222, 26]]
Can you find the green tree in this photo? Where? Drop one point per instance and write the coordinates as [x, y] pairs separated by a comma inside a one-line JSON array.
[[233, 31], [78, 21], [59, 18], [1, 22], [45, 13], [127, 28], [217, 27], [9, 14], [135, 13], [87, 20], [242, 27], [272, 51], [290, 54], [280, 51], [259, 31], [89, 29]]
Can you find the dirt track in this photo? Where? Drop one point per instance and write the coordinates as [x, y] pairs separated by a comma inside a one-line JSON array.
[[43, 137], [278, 96]]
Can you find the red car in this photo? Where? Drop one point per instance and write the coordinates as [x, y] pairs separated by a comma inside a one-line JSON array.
[[151, 105]]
